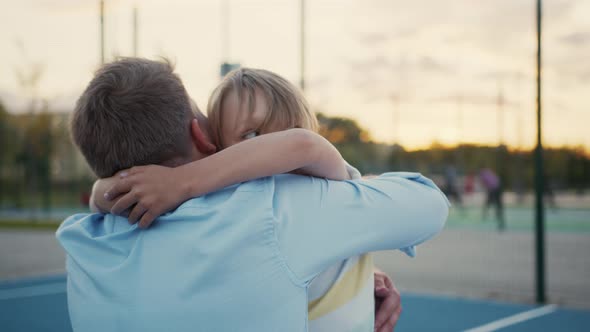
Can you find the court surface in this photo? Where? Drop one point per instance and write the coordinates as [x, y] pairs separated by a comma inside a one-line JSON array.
[[39, 304]]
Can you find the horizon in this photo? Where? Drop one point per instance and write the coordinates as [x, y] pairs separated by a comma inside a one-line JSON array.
[[432, 145]]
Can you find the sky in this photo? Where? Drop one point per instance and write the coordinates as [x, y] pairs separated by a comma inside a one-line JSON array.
[[412, 72]]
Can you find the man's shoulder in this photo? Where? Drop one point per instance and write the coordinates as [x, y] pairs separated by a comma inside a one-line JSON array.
[[266, 184], [270, 182], [233, 196], [295, 179], [260, 191], [77, 220], [91, 225]]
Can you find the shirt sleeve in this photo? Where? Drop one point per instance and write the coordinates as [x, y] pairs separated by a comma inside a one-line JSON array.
[[320, 222], [355, 175]]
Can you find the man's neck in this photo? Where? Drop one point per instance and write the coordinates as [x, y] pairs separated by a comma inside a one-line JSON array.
[[179, 161], [175, 162]]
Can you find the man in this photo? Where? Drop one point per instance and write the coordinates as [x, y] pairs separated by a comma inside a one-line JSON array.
[[239, 259]]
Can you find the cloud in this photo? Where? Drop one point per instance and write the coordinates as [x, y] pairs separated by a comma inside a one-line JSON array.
[[378, 62], [472, 99], [560, 9], [421, 64], [576, 38], [68, 4], [71, 6], [501, 75], [430, 64], [380, 38], [376, 38], [585, 76], [319, 82]]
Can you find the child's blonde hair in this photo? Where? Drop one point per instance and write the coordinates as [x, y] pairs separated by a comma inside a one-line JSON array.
[[285, 101]]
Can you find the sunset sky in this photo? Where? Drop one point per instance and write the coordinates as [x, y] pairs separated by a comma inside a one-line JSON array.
[[414, 72]]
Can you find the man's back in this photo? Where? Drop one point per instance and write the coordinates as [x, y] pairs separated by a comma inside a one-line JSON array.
[[236, 260], [209, 262]]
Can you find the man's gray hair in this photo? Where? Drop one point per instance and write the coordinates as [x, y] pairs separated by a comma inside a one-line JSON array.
[[134, 112]]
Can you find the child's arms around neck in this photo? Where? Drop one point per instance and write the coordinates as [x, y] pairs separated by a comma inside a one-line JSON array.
[[150, 191]]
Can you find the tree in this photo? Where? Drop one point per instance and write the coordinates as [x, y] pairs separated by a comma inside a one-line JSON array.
[[353, 142]]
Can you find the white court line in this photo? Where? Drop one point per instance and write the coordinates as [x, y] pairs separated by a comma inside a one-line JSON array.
[[514, 319], [30, 291]]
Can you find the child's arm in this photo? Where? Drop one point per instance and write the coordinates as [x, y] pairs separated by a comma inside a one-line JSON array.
[[156, 189]]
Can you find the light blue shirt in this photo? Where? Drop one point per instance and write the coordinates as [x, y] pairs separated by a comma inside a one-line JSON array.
[[239, 259]]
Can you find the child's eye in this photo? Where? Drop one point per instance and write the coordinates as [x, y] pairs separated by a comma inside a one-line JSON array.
[[250, 135]]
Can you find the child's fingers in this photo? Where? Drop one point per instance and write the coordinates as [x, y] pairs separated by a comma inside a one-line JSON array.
[[137, 212], [122, 186], [123, 203], [146, 219]]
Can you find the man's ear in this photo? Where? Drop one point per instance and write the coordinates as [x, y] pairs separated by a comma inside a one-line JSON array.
[[202, 141]]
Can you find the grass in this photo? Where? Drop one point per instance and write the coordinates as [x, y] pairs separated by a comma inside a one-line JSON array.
[[30, 224]]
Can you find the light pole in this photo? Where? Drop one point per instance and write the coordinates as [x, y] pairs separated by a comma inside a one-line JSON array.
[[539, 185], [101, 32], [135, 32], [302, 46]]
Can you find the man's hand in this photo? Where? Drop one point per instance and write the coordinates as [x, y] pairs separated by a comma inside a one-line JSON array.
[[387, 303]]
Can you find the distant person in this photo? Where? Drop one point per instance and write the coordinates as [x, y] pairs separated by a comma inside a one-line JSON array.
[[237, 259], [469, 185], [85, 198], [519, 189], [450, 188], [549, 192], [493, 186]]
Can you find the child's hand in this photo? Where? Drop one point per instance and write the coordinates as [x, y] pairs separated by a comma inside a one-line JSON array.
[[148, 192], [97, 201]]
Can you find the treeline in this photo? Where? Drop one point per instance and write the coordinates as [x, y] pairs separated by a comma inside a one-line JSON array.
[[40, 167], [565, 168]]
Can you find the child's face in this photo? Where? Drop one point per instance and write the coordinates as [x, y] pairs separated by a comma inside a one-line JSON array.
[[238, 123]]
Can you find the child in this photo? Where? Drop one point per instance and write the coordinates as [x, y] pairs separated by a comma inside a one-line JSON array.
[[252, 102], [249, 103]]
